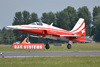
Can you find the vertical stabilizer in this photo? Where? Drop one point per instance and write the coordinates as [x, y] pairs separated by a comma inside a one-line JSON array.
[[79, 28]]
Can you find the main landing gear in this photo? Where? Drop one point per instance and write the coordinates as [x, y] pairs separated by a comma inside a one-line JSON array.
[[47, 44], [69, 44]]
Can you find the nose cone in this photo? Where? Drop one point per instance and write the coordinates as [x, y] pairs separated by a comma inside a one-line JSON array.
[[12, 27]]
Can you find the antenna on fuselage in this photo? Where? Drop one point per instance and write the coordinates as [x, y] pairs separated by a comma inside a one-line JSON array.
[[51, 24]]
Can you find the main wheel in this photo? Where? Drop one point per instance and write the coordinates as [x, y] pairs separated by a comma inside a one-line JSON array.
[[47, 46], [69, 46]]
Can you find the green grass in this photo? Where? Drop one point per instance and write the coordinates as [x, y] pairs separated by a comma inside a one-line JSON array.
[[68, 61], [75, 47], [64, 61]]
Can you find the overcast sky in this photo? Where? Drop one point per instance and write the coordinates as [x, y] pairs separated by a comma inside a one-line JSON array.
[[8, 8]]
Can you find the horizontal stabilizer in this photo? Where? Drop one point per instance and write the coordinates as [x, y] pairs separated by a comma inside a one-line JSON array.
[[71, 36]]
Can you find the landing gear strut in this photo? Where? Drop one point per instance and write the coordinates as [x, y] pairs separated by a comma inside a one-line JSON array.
[[47, 44], [27, 37], [69, 44]]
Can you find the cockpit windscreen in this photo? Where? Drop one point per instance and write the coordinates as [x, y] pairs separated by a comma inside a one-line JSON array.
[[36, 23]]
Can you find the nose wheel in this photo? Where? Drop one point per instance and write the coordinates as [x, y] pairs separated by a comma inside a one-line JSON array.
[[47, 44]]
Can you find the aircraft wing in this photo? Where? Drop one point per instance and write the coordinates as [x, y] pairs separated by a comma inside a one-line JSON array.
[[43, 37], [36, 36], [60, 36]]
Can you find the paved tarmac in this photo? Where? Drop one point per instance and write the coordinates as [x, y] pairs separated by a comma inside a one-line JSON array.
[[37, 54]]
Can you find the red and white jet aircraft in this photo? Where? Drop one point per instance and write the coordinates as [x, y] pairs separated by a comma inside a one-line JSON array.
[[78, 33]]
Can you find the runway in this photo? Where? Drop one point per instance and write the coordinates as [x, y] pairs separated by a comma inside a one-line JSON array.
[[39, 54]]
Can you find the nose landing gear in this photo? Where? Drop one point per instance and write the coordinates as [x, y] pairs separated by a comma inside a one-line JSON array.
[[47, 44], [27, 40]]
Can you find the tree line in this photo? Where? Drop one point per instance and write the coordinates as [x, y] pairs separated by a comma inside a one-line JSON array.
[[65, 19]]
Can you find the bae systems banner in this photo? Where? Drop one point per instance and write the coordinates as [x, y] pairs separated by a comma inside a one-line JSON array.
[[28, 46]]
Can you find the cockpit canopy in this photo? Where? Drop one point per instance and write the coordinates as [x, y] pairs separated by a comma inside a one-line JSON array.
[[36, 23]]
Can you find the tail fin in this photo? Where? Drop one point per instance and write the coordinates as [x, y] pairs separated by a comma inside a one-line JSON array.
[[79, 28]]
